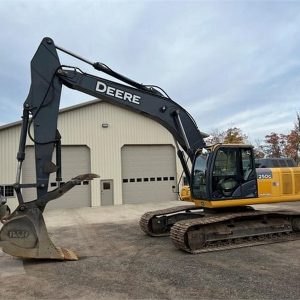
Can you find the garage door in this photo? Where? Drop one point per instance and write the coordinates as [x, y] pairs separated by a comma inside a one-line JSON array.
[[148, 173], [75, 161]]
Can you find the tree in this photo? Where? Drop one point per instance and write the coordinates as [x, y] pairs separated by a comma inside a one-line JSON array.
[[258, 149], [235, 135], [292, 147], [232, 135], [215, 137], [274, 144]]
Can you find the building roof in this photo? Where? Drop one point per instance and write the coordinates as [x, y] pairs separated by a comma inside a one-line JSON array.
[[69, 108], [62, 110]]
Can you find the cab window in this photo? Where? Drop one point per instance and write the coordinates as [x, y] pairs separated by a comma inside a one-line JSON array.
[[225, 177], [247, 163], [199, 177], [226, 162]]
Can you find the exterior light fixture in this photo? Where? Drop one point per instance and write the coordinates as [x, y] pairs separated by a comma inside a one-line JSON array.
[[104, 125]]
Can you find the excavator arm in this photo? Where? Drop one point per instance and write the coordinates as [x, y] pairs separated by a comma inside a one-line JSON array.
[[47, 78], [24, 233], [42, 103]]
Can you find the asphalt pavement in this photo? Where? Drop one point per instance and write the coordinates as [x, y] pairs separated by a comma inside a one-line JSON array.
[[118, 261]]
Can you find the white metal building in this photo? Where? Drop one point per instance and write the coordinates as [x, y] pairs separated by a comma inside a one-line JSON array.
[[134, 156]]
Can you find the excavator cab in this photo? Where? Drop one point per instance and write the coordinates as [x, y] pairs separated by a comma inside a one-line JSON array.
[[224, 172]]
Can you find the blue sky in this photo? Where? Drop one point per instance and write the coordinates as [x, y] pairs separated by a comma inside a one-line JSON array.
[[229, 63]]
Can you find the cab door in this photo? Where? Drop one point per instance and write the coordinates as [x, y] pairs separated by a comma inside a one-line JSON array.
[[232, 173], [249, 179]]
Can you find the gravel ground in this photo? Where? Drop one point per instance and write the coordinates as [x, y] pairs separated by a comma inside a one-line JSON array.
[[117, 261]]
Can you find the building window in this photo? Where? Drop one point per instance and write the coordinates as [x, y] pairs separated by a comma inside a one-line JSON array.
[[7, 191], [106, 185]]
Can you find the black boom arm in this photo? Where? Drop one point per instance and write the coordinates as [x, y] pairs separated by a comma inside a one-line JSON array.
[[47, 78], [161, 109]]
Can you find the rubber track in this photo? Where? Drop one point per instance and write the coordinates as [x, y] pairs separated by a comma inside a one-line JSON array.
[[181, 228], [145, 221]]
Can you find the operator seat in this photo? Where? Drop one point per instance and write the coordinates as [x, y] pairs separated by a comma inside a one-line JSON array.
[[227, 186]]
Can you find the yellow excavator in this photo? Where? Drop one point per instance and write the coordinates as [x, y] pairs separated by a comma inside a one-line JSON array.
[[223, 181]]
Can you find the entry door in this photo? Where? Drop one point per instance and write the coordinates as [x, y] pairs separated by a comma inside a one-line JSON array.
[[107, 192]]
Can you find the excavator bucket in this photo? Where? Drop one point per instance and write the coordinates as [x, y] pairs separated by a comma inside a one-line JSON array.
[[24, 233]]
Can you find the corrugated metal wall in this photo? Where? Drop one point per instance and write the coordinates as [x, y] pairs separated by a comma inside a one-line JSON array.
[[83, 125], [9, 143]]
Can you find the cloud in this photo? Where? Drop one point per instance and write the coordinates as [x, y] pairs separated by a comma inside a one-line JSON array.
[[226, 63]]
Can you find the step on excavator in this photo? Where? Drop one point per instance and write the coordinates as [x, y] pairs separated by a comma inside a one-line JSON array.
[[223, 182]]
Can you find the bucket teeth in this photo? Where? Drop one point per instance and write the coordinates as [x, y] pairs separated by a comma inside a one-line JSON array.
[[69, 254]]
